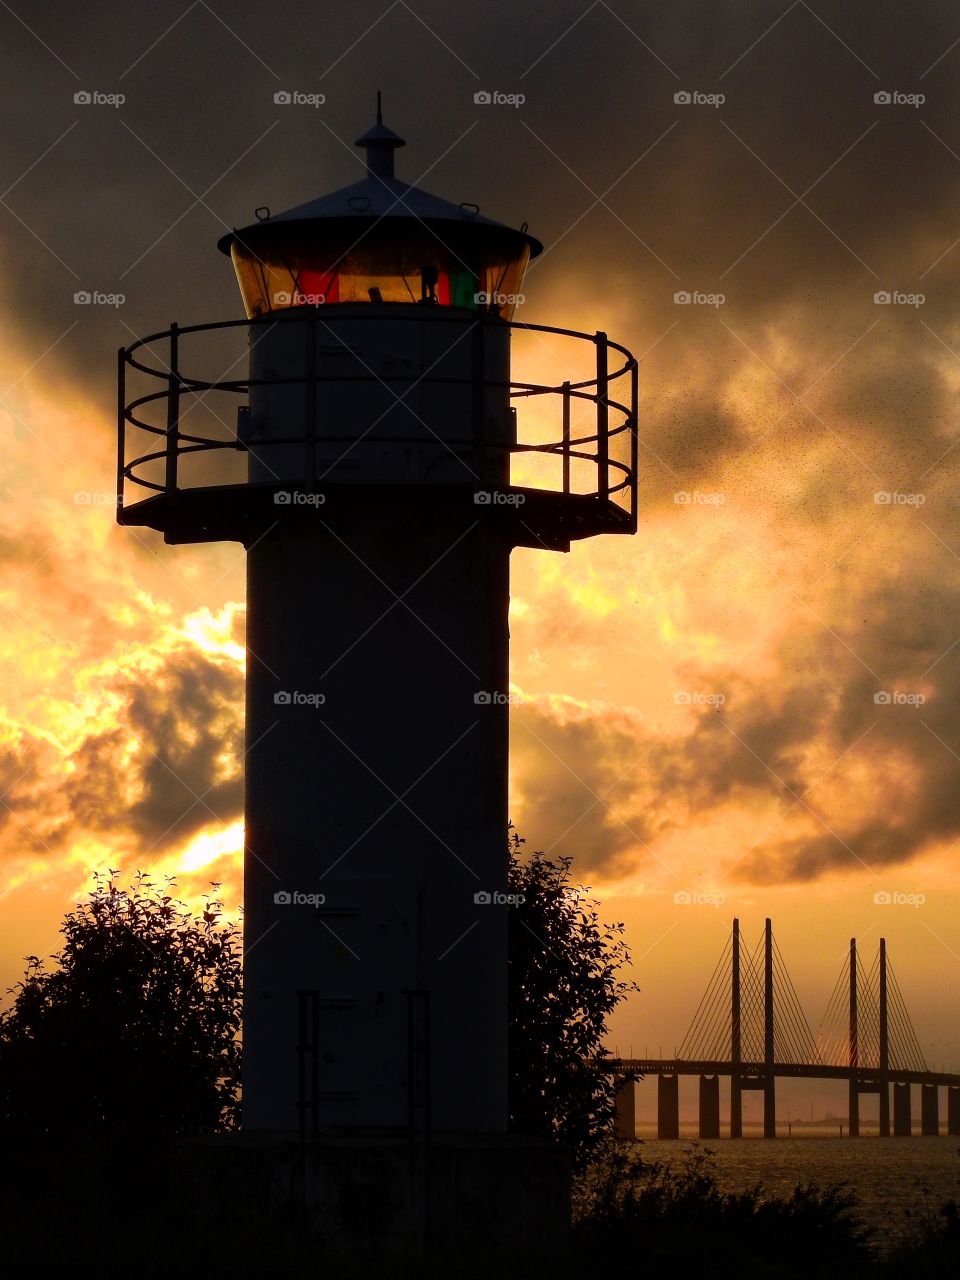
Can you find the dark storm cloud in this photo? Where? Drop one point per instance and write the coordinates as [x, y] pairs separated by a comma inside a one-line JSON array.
[[164, 768], [798, 199], [188, 723], [873, 783], [131, 198]]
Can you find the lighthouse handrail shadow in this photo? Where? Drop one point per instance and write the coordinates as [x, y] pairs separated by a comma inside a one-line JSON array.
[[567, 473]]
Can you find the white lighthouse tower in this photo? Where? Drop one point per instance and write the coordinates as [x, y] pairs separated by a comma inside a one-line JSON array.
[[379, 445]]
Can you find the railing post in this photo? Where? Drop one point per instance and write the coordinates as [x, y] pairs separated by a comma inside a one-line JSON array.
[[478, 406], [603, 414], [310, 408], [121, 423], [634, 440], [173, 412], [566, 439]]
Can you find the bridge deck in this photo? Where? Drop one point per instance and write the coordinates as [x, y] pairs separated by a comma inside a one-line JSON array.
[[814, 1070]]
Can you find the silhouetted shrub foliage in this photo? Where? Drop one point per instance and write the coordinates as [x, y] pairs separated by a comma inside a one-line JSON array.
[[563, 985], [135, 1032]]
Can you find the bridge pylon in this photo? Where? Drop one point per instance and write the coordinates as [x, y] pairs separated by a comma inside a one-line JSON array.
[[751, 1027]]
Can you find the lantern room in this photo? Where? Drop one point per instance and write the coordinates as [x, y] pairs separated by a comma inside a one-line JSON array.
[[380, 240]]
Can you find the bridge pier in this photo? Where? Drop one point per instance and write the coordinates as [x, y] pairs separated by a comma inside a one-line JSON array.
[[953, 1110], [853, 1109], [709, 1106], [762, 1081], [736, 1108], [625, 1121], [668, 1106], [770, 1107], [902, 1123], [929, 1111]]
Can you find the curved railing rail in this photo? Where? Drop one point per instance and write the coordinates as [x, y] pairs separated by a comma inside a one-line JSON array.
[[616, 468]]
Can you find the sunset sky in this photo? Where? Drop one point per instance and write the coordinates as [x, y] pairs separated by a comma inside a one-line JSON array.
[[783, 587]]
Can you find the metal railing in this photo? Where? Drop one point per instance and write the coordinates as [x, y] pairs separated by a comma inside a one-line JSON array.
[[615, 467]]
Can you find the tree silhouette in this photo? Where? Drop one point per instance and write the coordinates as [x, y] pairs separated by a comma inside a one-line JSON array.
[[563, 985], [135, 1033]]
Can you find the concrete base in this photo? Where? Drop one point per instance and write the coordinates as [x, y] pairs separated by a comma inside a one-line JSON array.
[[668, 1106], [953, 1111], [709, 1106], [929, 1110], [376, 1195], [625, 1122], [902, 1123]]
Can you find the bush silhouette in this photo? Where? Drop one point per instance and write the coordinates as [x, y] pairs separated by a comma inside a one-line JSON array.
[[135, 1033], [563, 985]]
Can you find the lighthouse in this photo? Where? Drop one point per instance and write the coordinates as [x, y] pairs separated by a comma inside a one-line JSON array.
[[377, 465]]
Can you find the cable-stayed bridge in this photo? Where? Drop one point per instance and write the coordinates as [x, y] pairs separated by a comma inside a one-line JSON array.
[[751, 1027]]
